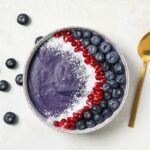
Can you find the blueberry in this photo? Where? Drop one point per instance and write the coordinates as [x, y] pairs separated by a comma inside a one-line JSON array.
[[117, 93], [77, 34], [113, 104], [105, 47], [113, 83], [107, 95], [98, 119], [96, 40], [103, 104], [99, 57], [92, 49], [96, 109], [119, 68], [85, 42], [106, 86], [23, 19], [90, 124], [88, 115], [105, 66], [106, 113], [112, 57], [121, 79], [11, 63], [4, 85], [81, 124], [10, 118], [19, 79], [87, 34], [38, 39], [109, 75]]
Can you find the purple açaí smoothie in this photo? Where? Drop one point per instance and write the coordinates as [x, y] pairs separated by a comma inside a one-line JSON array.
[[54, 81]]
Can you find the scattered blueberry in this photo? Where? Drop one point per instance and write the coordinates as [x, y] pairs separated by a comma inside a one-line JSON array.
[[81, 124], [92, 49], [103, 104], [96, 109], [23, 19], [112, 57], [117, 93], [121, 79], [86, 42], [109, 75], [96, 40], [87, 34], [106, 86], [105, 66], [107, 95], [19, 79], [105, 47], [113, 104], [10, 118], [11, 63], [113, 83], [77, 34], [88, 115], [99, 57], [90, 124], [106, 113], [119, 68], [38, 39], [98, 119], [4, 85]]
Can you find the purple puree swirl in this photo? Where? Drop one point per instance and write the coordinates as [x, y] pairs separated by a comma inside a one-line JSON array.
[[52, 82]]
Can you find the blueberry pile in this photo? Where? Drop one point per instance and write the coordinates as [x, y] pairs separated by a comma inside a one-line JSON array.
[[106, 55]]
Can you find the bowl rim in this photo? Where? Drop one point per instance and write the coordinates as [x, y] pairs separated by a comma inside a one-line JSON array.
[[44, 120]]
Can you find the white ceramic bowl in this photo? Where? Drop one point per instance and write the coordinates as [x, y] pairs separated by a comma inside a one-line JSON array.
[[43, 119]]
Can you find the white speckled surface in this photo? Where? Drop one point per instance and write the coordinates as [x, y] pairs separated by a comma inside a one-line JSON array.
[[123, 22]]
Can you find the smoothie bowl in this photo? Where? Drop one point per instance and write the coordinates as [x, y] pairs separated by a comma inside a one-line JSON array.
[[76, 80]]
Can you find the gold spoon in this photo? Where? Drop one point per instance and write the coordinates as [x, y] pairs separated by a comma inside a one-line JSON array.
[[144, 52]]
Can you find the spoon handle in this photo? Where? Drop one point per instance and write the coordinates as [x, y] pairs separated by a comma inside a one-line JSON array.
[[137, 95]]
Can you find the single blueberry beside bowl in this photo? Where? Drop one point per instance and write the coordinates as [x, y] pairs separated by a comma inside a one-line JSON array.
[[11, 63], [10, 118], [4, 85], [19, 79], [23, 19]]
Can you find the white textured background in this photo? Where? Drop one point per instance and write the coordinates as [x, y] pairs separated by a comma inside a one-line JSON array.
[[124, 22]]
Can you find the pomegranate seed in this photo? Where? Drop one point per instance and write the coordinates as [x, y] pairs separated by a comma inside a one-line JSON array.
[[90, 96], [75, 115], [56, 123], [70, 119], [98, 77], [80, 116], [56, 35], [77, 49], [97, 66], [95, 102], [87, 61], [89, 103], [85, 53], [62, 122], [98, 70], [66, 125], [65, 38], [93, 64], [103, 80], [63, 33], [79, 43], [70, 38], [102, 73], [73, 43], [86, 108], [68, 32], [80, 112]]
